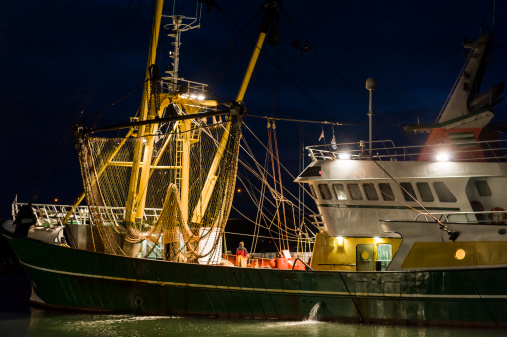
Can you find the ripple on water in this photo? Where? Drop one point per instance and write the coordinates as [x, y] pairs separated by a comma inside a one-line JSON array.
[[77, 325]]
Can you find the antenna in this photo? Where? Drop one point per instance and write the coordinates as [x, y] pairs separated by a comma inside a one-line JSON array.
[[371, 84], [178, 25]]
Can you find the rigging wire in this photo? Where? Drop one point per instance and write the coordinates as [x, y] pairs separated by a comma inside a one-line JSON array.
[[230, 55], [276, 196], [351, 86], [300, 120], [269, 175], [328, 115], [271, 203]]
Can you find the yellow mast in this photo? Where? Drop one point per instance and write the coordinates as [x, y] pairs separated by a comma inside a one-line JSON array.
[[212, 178], [271, 13], [144, 151]]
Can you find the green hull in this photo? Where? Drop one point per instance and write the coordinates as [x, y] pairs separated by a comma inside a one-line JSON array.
[[84, 280]]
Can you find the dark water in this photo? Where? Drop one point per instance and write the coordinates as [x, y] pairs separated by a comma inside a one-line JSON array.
[[38, 322], [17, 319]]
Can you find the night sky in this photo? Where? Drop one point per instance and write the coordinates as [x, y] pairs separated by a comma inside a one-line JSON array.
[[59, 58]]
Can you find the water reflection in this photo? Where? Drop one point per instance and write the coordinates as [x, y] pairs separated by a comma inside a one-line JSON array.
[[56, 323]]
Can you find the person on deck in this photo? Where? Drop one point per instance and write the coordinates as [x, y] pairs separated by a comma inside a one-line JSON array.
[[241, 255]]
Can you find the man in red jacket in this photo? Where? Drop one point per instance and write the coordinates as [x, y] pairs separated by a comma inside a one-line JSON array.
[[241, 255]]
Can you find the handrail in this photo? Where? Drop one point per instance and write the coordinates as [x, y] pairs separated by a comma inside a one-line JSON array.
[[387, 150], [50, 214], [306, 265], [447, 214]]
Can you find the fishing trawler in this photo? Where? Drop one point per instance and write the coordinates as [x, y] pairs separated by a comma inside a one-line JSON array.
[[164, 190]]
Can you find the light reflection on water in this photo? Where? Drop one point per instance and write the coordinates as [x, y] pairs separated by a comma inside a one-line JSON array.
[[49, 323]]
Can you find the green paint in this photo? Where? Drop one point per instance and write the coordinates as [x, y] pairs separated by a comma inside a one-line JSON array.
[[72, 278]]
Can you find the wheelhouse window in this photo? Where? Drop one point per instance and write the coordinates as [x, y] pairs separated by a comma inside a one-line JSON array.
[[386, 191], [408, 192], [443, 193], [355, 192], [483, 188], [425, 192], [370, 191], [325, 192], [312, 190], [339, 190]]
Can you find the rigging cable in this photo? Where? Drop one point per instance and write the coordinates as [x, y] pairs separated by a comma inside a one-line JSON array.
[[443, 227], [307, 48]]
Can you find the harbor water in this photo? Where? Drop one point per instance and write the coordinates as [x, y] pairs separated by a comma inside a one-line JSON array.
[[38, 322], [18, 319]]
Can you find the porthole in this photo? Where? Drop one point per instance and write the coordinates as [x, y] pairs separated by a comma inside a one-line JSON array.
[[502, 231], [460, 254], [365, 255]]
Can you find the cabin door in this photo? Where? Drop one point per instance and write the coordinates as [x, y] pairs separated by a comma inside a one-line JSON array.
[[365, 257]]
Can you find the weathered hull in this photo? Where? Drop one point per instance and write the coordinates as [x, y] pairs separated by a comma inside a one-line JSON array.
[[78, 279]]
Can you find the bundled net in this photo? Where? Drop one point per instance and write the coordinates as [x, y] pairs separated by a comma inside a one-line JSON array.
[[184, 202]]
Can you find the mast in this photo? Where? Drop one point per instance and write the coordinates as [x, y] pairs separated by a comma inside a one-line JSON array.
[[270, 15], [184, 101], [137, 191]]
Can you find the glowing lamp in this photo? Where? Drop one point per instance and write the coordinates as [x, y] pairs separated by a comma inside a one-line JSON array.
[[442, 156], [344, 156], [340, 240], [200, 97], [460, 254]]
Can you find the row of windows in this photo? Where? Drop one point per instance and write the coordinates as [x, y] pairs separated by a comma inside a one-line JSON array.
[[371, 192]]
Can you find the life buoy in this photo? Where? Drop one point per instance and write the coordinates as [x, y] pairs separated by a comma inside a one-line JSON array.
[[497, 218], [476, 206]]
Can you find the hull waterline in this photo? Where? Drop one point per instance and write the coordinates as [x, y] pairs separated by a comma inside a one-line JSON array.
[[77, 279]]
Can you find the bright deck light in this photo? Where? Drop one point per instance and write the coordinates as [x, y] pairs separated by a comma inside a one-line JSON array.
[[344, 156], [340, 241], [443, 156], [200, 97]]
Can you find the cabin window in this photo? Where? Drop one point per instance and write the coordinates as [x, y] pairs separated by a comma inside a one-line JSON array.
[[312, 189], [425, 192], [384, 254], [355, 192], [339, 189], [483, 188], [386, 191], [370, 191], [325, 192], [443, 193], [408, 192]]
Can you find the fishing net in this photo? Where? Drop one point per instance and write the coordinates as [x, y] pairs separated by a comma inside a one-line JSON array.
[[188, 194]]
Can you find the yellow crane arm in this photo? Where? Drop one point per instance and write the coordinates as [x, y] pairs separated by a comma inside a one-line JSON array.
[[211, 179]]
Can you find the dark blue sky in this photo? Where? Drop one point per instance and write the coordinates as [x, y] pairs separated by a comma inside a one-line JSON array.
[[62, 57]]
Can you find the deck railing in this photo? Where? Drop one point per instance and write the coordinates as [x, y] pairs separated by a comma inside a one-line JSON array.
[[484, 217], [386, 150], [54, 215]]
